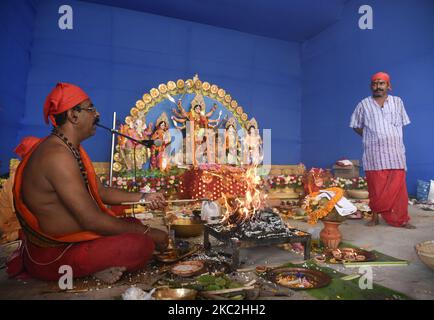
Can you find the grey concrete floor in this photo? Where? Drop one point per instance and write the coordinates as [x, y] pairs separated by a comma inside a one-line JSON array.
[[416, 280]]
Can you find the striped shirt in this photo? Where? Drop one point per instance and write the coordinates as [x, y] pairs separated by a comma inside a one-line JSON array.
[[383, 145]]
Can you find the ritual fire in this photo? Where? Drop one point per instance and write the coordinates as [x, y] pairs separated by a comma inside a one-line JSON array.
[[247, 223], [242, 210], [247, 217]]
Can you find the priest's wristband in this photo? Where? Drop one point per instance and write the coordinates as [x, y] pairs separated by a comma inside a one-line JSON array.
[[142, 199], [147, 228]]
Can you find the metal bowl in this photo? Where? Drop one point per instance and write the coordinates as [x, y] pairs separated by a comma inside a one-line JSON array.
[[175, 294], [186, 228]]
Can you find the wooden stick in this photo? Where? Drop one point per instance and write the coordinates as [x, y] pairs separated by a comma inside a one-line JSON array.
[[230, 290], [250, 283], [351, 277], [375, 264], [168, 201]]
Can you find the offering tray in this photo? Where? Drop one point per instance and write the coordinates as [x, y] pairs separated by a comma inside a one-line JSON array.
[[298, 278], [348, 255]]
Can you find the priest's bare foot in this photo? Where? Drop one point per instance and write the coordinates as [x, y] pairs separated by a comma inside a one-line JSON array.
[[409, 226], [110, 275], [374, 220]]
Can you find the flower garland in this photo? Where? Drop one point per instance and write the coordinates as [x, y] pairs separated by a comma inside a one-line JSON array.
[[167, 184], [282, 181], [359, 183], [311, 205]]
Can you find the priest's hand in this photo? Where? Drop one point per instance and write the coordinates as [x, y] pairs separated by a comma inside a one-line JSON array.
[[156, 201], [160, 238]]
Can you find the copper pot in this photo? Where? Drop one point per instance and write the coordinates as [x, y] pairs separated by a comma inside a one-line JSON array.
[[330, 235]]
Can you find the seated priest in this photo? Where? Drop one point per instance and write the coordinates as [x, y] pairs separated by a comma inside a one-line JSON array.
[[59, 202]]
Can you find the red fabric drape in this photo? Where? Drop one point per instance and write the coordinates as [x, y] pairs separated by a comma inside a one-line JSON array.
[[388, 195], [130, 250]]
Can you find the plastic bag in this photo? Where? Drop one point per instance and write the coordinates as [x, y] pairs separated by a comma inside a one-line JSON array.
[[210, 212], [422, 190], [431, 192]]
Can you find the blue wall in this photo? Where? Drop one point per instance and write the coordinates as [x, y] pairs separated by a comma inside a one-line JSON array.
[[16, 30], [337, 65], [116, 55]]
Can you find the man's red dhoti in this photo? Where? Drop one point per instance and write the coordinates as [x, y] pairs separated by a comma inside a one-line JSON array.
[[129, 250], [388, 195]]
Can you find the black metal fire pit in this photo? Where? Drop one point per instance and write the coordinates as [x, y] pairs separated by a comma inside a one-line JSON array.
[[265, 230]]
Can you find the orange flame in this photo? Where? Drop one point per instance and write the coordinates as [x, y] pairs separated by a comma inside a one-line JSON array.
[[240, 210]]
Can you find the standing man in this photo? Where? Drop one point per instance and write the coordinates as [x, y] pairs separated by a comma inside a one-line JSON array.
[[379, 120], [60, 202]]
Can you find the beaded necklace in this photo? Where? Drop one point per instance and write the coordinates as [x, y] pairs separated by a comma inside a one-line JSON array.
[[75, 153]]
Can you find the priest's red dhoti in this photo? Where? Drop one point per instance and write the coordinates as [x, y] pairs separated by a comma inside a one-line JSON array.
[[129, 250], [388, 195]]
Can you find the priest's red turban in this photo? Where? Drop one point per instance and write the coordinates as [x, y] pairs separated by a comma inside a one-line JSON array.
[[63, 97], [381, 76]]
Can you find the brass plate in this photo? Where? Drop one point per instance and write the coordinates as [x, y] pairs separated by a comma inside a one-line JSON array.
[[174, 294], [228, 98], [318, 278], [147, 98], [239, 110], [234, 104], [244, 117]]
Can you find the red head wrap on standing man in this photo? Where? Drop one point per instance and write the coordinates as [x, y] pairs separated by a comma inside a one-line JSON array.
[[381, 76]]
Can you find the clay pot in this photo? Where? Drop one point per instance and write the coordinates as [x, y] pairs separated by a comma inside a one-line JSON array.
[[330, 235]]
